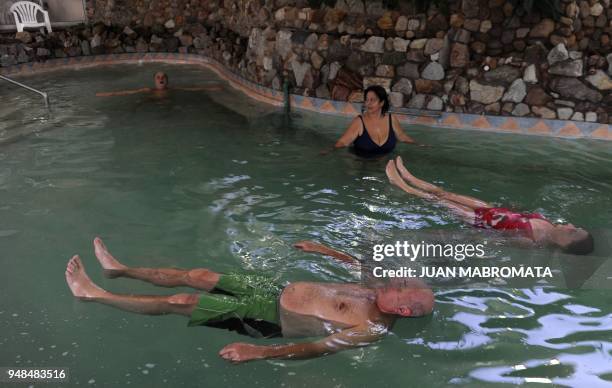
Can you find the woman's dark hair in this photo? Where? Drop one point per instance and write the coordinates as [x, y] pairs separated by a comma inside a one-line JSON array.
[[381, 93], [581, 246]]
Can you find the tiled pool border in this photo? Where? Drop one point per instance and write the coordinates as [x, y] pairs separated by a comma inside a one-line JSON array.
[[503, 124]]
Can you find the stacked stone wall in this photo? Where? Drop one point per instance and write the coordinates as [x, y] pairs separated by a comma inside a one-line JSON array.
[[480, 56]]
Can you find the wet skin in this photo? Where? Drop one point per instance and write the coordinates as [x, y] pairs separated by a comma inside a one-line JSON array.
[[349, 315]]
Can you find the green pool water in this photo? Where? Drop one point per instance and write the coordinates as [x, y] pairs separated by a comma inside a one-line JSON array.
[[213, 179]]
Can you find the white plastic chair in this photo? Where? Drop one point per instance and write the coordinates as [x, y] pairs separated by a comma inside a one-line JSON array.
[[25, 13]]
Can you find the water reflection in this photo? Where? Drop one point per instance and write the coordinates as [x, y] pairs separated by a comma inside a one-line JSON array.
[[490, 318]]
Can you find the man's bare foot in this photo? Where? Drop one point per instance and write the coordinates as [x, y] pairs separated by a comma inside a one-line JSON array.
[[80, 284], [112, 267], [407, 175]]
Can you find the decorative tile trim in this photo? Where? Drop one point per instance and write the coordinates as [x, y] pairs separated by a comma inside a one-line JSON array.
[[502, 124]]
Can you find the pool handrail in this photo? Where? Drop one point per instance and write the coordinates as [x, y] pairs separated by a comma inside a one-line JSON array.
[[43, 94]]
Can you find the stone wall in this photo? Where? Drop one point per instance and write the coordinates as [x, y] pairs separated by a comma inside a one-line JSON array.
[[482, 56]]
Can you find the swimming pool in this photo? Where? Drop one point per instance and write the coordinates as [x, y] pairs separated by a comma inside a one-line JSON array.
[[213, 179]]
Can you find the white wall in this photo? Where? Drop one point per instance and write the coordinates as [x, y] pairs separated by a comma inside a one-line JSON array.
[[61, 12], [65, 10]]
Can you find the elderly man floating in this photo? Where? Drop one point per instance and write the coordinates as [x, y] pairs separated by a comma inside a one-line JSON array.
[[347, 315]]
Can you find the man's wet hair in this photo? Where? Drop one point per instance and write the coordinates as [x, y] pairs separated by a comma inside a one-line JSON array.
[[417, 309], [422, 290], [581, 246]]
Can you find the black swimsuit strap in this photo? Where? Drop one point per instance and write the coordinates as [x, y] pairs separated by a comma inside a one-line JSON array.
[[363, 123]]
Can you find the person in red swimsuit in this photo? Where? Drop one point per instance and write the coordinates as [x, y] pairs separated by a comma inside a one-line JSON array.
[[531, 227]]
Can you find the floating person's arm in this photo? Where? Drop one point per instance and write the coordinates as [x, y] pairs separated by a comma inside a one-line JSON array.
[[399, 132], [311, 246], [347, 137], [123, 92], [347, 339]]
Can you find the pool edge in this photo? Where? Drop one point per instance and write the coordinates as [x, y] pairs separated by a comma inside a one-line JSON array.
[[447, 120]]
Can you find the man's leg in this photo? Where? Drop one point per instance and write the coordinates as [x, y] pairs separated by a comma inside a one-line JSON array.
[[200, 278], [465, 212], [465, 200], [83, 288]]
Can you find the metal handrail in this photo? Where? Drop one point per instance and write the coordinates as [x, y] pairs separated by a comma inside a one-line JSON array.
[[43, 94]]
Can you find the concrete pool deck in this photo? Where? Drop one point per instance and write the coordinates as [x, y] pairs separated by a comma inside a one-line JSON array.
[[501, 124]]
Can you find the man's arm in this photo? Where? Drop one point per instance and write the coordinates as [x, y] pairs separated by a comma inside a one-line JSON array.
[[123, 92], [311, 246], [350, 338]]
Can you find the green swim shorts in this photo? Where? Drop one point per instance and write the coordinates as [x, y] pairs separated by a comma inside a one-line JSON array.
[[251, 298]]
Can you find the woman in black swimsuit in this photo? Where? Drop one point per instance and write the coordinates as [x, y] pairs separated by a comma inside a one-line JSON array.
[[376, 132]]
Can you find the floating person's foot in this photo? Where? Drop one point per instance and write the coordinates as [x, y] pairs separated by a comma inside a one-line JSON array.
[[112, 267], [399, 163], [407, 175], [396, 179], [393, 175], [80, 284]]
